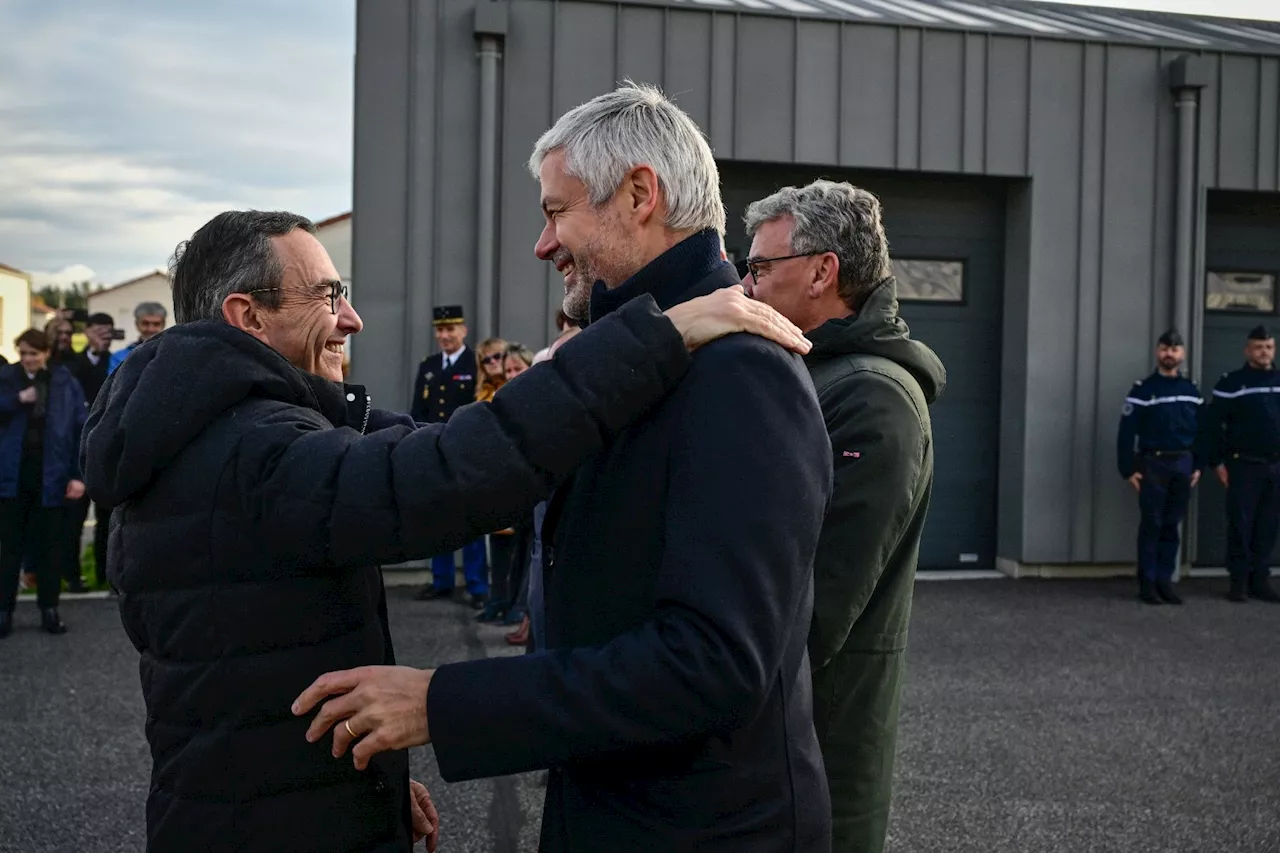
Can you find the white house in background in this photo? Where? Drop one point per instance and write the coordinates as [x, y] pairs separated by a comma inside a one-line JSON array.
[[334, 234], [119, 300], [41, 313], [15, 308]]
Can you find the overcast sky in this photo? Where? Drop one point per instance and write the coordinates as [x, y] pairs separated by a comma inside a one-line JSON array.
[[126, 124]]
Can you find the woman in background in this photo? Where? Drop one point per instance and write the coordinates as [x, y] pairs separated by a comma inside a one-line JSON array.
[[509, 547], [42, 413], [519, 358], [491, 355]]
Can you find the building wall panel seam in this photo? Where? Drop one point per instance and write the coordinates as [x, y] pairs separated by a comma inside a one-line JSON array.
[[1101, 260]]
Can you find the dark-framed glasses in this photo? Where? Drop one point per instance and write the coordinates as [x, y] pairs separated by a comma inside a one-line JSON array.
[[337, 290], [752, 265]]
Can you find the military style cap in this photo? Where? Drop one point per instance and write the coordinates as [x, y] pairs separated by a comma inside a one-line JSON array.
[[1171, 338], [1260, 333], [446, 314]]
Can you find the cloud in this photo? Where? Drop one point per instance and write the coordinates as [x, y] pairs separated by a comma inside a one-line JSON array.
[[63, 277], [124, 126]]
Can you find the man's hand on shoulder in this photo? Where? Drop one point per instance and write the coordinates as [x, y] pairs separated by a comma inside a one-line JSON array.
[[728, 311]]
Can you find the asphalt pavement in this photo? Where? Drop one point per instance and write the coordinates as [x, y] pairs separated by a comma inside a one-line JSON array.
[[1038, 716]]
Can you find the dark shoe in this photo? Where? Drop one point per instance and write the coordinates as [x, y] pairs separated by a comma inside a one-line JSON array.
[[431, 593], [479, 601], [1262, 590], [1237, 590], [1147, 592], [494, 611], [77, 586], [50, 622], [6, 624], [1165, 590]]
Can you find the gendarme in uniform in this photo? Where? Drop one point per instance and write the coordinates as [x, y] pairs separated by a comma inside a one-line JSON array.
[[445, 381], [1241, 435]]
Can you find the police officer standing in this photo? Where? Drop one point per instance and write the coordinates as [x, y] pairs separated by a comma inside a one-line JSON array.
[[1159, 423], [1241, 437], [446, 381]]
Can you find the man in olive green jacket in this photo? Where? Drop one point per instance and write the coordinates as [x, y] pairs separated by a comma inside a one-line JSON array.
[[820, 257]]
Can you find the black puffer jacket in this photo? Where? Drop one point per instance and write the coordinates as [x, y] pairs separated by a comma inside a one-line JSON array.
[[252, 502]]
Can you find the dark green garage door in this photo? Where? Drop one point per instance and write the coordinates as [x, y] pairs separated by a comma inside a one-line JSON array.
[[947, 240], [1242, 263]]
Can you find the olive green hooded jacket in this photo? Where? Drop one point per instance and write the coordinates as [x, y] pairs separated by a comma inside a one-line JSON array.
[[875, 385]]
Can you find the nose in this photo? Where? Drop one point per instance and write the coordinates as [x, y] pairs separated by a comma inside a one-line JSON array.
[[547, 243], [349, 322]]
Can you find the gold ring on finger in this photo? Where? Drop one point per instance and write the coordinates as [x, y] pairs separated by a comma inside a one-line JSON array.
[[347, 723]]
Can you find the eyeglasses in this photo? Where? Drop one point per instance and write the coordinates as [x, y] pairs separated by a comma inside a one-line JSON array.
[[337, 290], [752, 265], [491, 358]]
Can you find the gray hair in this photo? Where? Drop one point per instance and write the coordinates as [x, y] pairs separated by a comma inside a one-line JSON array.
[[637, 125], [150, 309], [231, 253], [832, 217]]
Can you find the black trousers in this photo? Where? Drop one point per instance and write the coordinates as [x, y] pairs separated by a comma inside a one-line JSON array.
[[26, 527], [501, 557], [77, 514]]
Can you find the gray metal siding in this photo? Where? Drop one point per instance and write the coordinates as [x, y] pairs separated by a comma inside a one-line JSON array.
[[1092, 282], [379, 234], [525, 288]]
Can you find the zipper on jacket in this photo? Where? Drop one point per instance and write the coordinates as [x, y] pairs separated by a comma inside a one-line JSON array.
[[368, 410]]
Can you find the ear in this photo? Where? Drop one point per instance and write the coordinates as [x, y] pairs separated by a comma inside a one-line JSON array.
[[826, 276], [640, 193], [241, 311]]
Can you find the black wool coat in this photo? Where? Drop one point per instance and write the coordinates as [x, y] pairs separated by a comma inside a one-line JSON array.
[[253, 504]]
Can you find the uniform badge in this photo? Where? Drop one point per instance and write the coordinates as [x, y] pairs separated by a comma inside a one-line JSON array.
[[429, 376], [1128, 409]]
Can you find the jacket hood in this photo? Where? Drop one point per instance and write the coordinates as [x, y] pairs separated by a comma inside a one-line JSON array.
[[173, 386], [878, 329]]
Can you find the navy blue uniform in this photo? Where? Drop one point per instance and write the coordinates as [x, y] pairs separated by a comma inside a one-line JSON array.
[[1158, 440], [1242, 431], [439, 392]]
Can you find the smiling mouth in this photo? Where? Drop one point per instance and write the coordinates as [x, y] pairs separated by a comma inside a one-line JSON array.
[[338, 348]]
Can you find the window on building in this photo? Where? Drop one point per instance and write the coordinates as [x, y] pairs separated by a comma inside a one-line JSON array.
[[929, 281], [1244, 292]]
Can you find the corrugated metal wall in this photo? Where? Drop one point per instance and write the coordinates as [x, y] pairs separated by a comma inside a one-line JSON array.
[[1090, 236]]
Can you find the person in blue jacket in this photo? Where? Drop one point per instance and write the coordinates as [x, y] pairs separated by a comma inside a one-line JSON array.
[[1241, 440], [42, 413], [1156, 453], [150, 319]]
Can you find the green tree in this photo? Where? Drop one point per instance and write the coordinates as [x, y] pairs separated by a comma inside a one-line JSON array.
[[75, 295], [51, 296]]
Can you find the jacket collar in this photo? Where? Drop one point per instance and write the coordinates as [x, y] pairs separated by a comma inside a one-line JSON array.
[[668, 278]]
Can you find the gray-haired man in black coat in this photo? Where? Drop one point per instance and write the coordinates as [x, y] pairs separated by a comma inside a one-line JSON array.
[[674, 704]]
